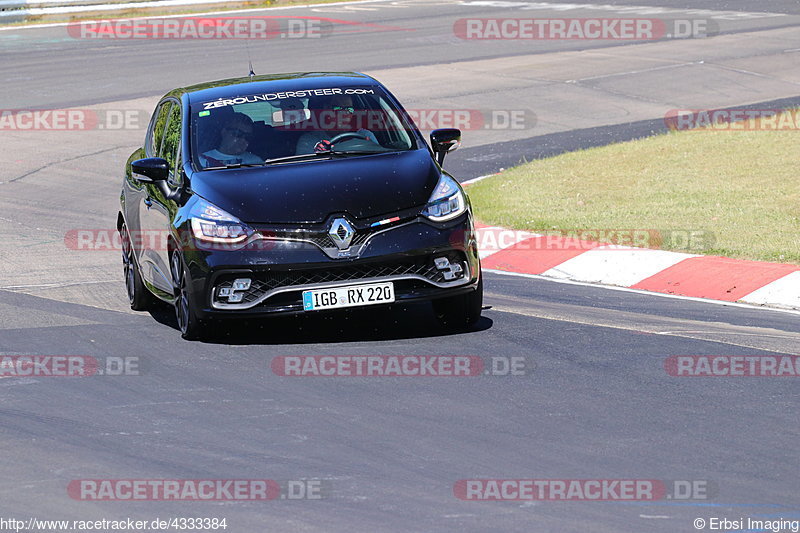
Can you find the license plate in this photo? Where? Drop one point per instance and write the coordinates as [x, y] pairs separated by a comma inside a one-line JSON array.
[[348, 296]]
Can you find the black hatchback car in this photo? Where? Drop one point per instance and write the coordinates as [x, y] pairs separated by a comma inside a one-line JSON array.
[[294, 193]]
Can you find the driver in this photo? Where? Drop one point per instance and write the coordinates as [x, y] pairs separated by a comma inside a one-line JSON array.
[[234, 140], [343, 120]]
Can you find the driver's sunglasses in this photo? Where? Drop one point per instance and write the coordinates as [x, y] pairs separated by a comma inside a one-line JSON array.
[[236, 132], [348, 108]]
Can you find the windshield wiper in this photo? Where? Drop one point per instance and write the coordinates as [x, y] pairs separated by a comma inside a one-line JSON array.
[[296, 157], [315, 155], [271, 161], [360, 152], [235, 165]]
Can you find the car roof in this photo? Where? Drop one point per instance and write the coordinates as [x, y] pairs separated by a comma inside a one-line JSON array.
[[295, 81]]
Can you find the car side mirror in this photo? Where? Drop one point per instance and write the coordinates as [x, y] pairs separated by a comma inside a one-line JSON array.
[[444, 141], [150, 170]]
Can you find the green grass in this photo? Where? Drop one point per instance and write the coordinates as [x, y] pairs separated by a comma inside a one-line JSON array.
[[741, 187]]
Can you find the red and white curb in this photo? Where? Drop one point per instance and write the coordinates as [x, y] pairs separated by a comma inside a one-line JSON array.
[[694, 276]]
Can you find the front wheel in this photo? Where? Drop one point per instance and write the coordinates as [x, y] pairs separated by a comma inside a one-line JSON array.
[[191, 326], [460, 311]]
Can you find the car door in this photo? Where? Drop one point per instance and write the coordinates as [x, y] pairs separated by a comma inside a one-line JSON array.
[[154, 210], [164, 209], [139, 204]]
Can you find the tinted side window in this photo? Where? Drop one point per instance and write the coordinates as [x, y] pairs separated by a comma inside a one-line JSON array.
[[157, 132], [172, 141]]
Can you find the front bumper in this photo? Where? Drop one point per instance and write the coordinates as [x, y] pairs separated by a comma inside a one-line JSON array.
[[278, 273]]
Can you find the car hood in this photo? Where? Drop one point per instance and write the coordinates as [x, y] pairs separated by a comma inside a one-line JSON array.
[[310, 191]]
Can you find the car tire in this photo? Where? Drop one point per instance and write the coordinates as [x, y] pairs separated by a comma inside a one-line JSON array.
[[460, 311], [189, 324], [139, 297]]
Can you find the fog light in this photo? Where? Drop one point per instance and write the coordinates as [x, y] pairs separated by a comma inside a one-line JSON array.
[[241, 284], [449, 271], [234, 293], [442, 263]]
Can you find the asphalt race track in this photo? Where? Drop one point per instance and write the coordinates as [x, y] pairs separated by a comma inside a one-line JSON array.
[[596, 403]]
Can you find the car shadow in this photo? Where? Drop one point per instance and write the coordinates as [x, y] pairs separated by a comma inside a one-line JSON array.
[[405, 321]]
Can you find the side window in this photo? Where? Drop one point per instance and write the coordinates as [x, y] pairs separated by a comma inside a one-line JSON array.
[[157, 131], [172, 141]]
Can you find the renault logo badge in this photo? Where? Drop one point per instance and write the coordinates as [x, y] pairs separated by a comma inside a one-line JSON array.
[[341, 233]]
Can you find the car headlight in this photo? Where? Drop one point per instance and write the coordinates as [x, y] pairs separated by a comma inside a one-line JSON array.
[[212, 224], [447, 201]]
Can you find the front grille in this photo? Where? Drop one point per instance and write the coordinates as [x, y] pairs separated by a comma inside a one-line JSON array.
[[264, 281], [321, 238]]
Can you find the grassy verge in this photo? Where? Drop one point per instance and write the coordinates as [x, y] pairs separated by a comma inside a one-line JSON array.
[[741, 187]]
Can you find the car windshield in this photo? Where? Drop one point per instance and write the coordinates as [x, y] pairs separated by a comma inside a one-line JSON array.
[[266, 128]]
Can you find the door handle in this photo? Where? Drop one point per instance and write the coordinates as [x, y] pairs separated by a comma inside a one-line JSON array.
[[148, 202]]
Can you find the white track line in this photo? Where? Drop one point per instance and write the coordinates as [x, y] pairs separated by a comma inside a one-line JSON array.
[[476, 180]]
